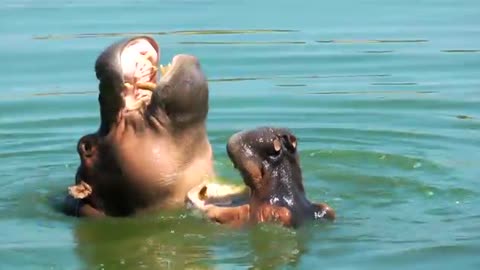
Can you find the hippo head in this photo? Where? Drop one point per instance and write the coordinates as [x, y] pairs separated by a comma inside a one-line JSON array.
[[268, 161], [151, 146]]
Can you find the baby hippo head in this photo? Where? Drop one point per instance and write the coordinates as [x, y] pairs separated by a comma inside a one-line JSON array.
[[268, 161]]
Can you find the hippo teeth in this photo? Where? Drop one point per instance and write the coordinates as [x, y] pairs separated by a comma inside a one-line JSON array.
[[165, 69], [142, 85], [146, 86]]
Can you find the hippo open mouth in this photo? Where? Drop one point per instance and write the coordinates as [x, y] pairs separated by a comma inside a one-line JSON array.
[[139, 60], [128, 71]]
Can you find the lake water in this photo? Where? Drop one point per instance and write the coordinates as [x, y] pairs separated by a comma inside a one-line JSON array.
[[383, 96]]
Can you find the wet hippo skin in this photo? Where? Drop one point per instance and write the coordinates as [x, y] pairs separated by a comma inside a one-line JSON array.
[[268, 161], [151, 146]]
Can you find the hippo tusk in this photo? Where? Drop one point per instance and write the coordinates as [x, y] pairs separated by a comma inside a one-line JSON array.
[[165, 69], [146, 86], [142, 85]]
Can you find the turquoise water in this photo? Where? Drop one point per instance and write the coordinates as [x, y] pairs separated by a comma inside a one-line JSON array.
[[383, 96]]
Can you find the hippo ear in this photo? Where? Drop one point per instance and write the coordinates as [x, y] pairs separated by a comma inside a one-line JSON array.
[[277, 145]]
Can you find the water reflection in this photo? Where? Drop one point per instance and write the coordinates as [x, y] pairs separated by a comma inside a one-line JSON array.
[[273, 247], [172, 241], [179, 32], [288, 42], [357, 41], [461, 51], [180, 240]]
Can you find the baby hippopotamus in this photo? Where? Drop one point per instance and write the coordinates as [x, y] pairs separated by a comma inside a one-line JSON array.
[[268, 161]]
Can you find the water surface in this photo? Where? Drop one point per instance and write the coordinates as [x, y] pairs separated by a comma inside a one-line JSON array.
[[383, 96]]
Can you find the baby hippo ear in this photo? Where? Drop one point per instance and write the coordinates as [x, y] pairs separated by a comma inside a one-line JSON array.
[[323, 211], [277, 145], [290, 142], [293, 141]]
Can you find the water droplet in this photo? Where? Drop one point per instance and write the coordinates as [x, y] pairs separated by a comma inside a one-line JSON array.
[[457, 202], [430, 193]]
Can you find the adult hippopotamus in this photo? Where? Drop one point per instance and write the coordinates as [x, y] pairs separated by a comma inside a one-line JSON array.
[[268, 161], [151, 146]]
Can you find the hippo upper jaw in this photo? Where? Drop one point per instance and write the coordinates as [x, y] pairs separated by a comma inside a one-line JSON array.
[[181, 95]]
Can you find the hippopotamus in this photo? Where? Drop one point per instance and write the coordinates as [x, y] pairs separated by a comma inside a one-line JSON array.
[[268, 161], [151, 147]]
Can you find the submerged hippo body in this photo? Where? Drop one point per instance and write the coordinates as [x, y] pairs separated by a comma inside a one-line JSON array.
[[151, 146], [268, 161]]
